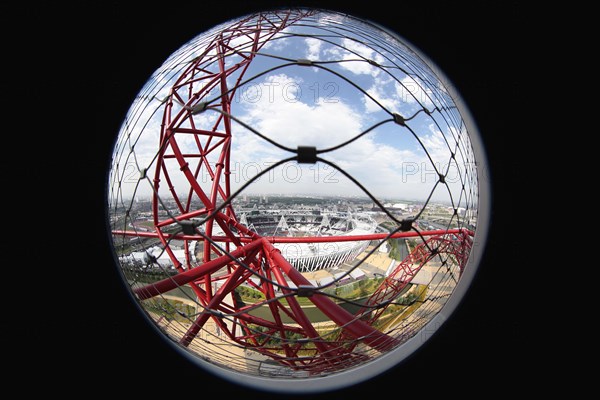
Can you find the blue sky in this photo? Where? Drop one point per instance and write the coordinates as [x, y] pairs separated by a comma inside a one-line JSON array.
[[310, 106]]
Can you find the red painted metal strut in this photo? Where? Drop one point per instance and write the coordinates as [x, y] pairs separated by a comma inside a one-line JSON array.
[[341, 317], [303, 239], [457, 245], [183, 278]]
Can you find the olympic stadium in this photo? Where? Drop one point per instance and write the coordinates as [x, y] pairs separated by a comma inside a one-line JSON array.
[[305, 257], [308, 257]]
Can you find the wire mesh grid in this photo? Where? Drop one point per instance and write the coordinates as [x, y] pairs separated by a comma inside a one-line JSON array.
[[294, 101]]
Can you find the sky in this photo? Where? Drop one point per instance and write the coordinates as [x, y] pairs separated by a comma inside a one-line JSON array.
[[362, 77]]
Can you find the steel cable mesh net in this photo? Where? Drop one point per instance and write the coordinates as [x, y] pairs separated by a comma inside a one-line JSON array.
[[293, 194]]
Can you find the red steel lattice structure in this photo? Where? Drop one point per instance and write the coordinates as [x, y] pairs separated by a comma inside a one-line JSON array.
[[233, 254]]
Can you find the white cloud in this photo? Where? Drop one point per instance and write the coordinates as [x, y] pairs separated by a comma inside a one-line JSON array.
[[277, 42], [353, 58], [326, 19], [282, 116], [440, 147], [313, 49], [436, 146], [411, 91], [380, 91], [377, 165], [332, 53], [400, 97]]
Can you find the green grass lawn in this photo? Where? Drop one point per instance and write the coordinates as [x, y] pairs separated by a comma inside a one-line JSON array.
[[352, 291], [172, 310]]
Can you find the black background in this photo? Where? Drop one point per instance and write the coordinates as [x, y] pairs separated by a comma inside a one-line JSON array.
[[82, 70]]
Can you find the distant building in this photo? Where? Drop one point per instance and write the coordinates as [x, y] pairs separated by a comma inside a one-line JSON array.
[[400, 206], [384, 248]]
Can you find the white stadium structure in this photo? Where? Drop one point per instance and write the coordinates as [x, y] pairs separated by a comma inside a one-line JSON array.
[[308, 257], [305, 257]]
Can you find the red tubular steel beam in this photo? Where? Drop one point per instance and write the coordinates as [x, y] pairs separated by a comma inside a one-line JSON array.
[[214, 302], [182, 217], [404, 272], [160, 287], [303, 239], [347, 321], [199, 132], [301, 317]]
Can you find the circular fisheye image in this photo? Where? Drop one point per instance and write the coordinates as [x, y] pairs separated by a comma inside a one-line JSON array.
[[294, 200]]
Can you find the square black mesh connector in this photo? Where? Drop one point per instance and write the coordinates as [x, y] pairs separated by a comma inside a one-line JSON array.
[[304, 61], [199, 108], [307, 155], [399, 119], [188, 227], [305, 291], [406, 225]]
